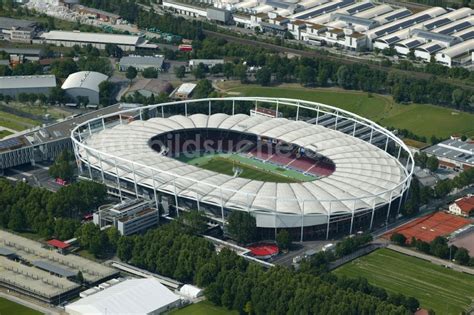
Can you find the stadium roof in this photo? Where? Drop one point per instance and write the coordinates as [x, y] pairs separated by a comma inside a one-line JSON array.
[[63, 272], [84, 79], [135, 296], [362, 169], [25, 82], [92, 37]]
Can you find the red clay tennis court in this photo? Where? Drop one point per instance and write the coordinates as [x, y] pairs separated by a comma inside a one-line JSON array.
[[427, 228], [263, 250]]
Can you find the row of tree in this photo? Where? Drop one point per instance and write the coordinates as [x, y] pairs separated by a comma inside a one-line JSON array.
[[37, 210], [232, 282], [438, 247]]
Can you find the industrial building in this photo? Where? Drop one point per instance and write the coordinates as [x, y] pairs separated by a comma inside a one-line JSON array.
[[129, 217], [36, 84], [28, 267], [149, 87], [219, 15], [132, 296], [141, 62], [453, 153], [21, 31], [98, 40], [437, 33], [84, 84]]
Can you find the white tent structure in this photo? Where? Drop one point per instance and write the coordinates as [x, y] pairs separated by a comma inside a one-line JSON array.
[[85, 84], [191, 291], [136, 296]]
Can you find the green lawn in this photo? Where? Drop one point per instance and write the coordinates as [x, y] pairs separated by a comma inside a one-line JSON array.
[[421, 119], [16, 122], [444, 290], [203, 308], [9, 307], [4, 133]]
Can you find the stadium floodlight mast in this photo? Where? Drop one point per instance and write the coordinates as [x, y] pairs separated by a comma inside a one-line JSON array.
[[324, 209]]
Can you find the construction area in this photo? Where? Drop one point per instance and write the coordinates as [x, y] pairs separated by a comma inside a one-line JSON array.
[[32, 269], [428, 227]]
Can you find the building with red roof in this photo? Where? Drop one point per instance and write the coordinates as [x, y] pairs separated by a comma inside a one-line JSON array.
[[59, 245], [463, 206]]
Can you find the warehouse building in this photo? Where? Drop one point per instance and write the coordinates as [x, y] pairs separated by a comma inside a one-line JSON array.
[[453, 153], [29, 268], [129, 217], [133, 296], [97, 40], [141, 62], [84, 84], [36, 84], [14, 30], [219, 15]]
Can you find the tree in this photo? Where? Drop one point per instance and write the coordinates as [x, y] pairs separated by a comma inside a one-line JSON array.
[[398, 239], [113, 50], [131, 73], [432, 163], [106, 89], [203, 89], [150, 73], [283, 240], [180, 72], [80, 277], [242, 227], [263, 76], [462, 256], [199, 71], [63, 166], [195, 221]]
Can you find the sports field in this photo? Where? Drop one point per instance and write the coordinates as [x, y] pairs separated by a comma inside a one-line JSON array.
[[9, 307], [421, 119], [250, 168], [444, 290], [203, 308]]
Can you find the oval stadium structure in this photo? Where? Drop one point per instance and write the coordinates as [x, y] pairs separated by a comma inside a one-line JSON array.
[[313, 169]]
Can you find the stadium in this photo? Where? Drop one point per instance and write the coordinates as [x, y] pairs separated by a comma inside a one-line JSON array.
[[313, 169]]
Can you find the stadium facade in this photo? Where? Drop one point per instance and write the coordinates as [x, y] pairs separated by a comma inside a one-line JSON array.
[[351, 174]]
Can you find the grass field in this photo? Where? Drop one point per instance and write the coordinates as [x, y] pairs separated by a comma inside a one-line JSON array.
[[444, 290], [9, 307], [421, 119], [4, 133], [203, 308], [251, 169], [16, 122]]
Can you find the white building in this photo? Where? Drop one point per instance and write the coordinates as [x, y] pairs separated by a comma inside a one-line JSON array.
[[463, 206], [135, 296], [129, 217], [191, 291], [98, 40], [36, 84], [457, 55], [85, 84], [184, 91]]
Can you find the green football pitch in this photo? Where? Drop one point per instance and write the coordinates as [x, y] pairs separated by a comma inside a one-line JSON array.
[[9, 307], [444, 290], [249, 168]]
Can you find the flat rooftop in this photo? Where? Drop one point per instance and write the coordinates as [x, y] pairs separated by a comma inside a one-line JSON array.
[[9, 23], [456, 150], [33, 279], [33, 252], [104, 38]]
